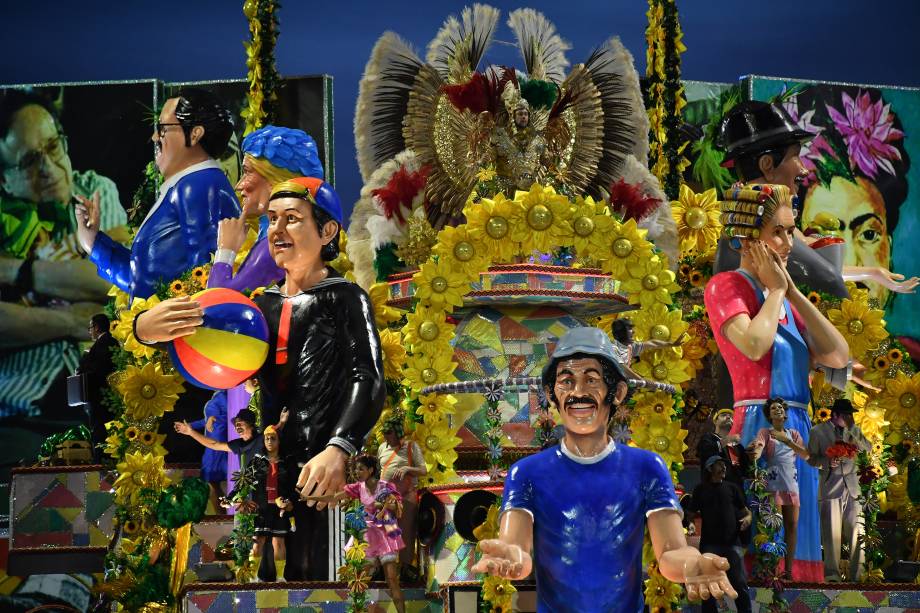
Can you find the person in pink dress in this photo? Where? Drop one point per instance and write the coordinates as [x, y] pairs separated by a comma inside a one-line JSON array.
[[381, 502], [770, 336], [780, 446]]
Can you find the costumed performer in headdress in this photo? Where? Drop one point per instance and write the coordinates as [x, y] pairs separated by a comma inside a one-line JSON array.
[[576, 513], [325, 362], [769, 335]]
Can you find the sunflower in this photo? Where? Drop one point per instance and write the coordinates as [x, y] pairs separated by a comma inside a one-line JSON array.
[[463, 249], [664, 367], [486, 174], [822, 414], [697, 219], [871, 420], [649, 282], [139, 471], [658, 323], [814, 298], [148, 438], [489, 220], [861, 326], [878, 448], [625, 245], [394, 354], [440, 477], [131, 526], [178, 288], [695, 349], [200, 274], [666, 438], [652, 407], [131, 433], [881, 362], [895, 356], [148, 392], [591, 221], [543, 220], [498, 592], [435, 406], [685, 270], [900, 400], [384, 314], [112, 444], [438, 285], [438, 441], [427, 330], [121, 298], [661, 594], [124, 330], [424, 370], [697, 279]]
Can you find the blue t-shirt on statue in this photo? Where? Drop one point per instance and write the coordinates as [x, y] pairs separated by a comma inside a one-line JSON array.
[[589, 523]]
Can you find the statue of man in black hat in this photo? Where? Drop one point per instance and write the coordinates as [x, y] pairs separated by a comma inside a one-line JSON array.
[[833, 445]]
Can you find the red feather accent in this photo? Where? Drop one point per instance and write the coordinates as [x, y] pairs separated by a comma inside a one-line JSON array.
[[629, 201], [400, 191], [473, 95]]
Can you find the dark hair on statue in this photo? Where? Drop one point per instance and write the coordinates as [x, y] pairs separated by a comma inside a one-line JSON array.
[[369, 461], [101, 322], [331, 250], [198, 107], [765, 409], [609, 373], [620, 326], [748, 166]]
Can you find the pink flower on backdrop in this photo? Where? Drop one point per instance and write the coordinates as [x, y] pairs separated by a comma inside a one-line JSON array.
[[868, 130], [811, 151]]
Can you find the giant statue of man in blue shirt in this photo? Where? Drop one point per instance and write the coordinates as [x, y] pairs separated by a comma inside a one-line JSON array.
[[576, 513]]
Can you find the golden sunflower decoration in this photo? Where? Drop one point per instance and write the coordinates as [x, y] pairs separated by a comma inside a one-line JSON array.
[[121, 298], [542, 221], [881, 362], [862, 326], [697, 219], [900, 400], [136, 472], [591, 222], [424, 370], [652, 407], [489, 220], [871, 420], [439, 286], [658, 323], [650, 282], [177, 288], [428, 331], [666, 438], [664, 367], [626, 246], [434, 407], [147, 391], [498, 592], [822, 414], [394, 354], [463, 248], [438, 442], [814, 298], [131, 433], [384, 314], [895, 356], [200, 275]]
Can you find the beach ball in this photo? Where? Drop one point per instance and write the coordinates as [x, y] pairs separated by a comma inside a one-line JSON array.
[[228, 348]]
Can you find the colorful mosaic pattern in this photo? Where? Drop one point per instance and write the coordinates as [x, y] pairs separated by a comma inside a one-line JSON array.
[[812, 600], [508, 342], [63, 509], [452, 556], [330, 600], [206, 537]]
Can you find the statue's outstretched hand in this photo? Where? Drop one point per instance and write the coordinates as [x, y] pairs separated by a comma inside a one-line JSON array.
[[705, 578], [503, 560]]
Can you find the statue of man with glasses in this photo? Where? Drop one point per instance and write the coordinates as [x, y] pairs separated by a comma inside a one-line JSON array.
[[47, 290]]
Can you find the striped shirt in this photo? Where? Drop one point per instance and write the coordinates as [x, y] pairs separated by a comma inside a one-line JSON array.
[[27, 373]]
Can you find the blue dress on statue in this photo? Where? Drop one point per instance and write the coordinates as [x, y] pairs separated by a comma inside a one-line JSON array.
[[214, 463]]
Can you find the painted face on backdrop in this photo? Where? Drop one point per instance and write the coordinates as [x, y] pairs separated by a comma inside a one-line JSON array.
[[581, 393], [294, 240], [860, 211], [254, 190], [36, 167]]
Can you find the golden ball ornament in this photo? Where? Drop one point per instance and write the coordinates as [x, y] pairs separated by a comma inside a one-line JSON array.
[[696, 218], [660, 332], [539, 217], [428, 330], [855, 326], [464, 251], [650, 282], [583, 226], [622, 247], [497, 227], [148, 391], [439, 285]]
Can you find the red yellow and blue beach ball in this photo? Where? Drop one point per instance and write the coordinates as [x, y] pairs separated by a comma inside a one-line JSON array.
[[229, 347]]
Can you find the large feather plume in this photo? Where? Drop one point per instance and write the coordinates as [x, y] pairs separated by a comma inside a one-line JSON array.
[[460, 44], [382, 102], [543, 50]]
